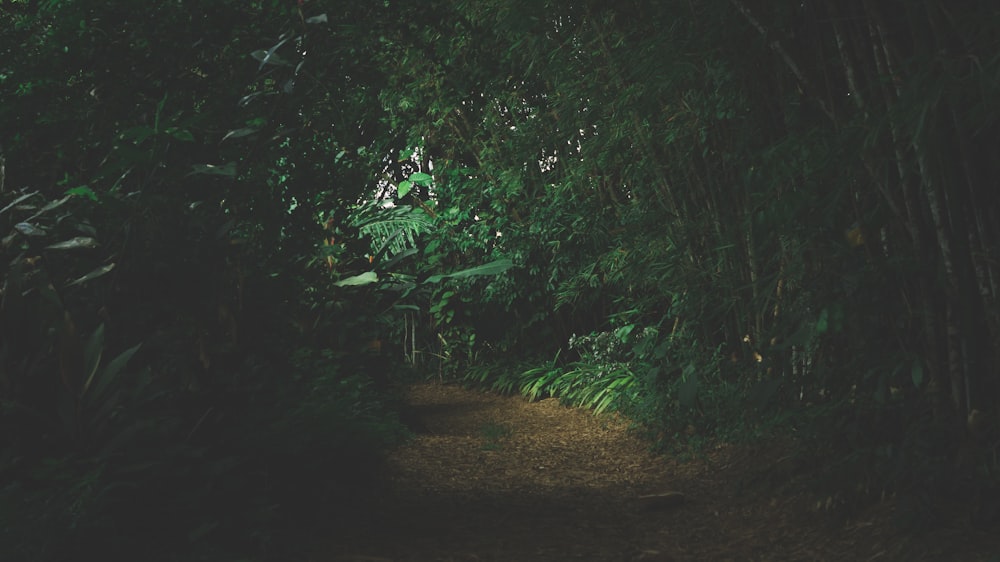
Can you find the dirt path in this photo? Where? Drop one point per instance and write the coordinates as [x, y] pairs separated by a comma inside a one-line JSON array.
[[492, 478]]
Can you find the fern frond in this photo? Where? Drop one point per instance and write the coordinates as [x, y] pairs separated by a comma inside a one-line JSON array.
[[392, 230]]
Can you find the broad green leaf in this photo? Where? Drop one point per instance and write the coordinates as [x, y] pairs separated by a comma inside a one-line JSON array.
[[623, 332], [74, 244], [421, 178], [492, 268], [404, 188], [366, 278]]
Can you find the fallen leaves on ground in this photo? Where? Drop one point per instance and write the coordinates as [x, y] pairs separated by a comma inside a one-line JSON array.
[[495, 478]]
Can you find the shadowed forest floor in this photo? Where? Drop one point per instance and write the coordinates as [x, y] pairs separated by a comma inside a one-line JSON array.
[[492, 478]]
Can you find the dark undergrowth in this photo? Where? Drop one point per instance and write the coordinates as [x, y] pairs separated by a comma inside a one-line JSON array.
[[241, 475]]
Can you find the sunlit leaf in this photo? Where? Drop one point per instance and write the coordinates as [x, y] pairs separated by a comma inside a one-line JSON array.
[[366, 278], [404, 188], [421, 178], [623, 332]]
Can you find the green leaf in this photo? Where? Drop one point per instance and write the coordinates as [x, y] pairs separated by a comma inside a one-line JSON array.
[[366, 278], [492, 268], [623, 332], [82, 191], [421, 178], [404, 188]]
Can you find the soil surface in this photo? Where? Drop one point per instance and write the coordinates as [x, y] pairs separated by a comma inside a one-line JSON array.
[[494, 478]]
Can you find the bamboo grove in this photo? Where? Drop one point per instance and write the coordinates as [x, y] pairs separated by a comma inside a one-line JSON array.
[[799, 198], [736, 216]]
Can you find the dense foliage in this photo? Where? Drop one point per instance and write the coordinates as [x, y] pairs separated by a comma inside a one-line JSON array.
[[224, 224], [175, 376]]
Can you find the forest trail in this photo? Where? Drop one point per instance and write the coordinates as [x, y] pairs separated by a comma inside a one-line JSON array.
[[493, 478]]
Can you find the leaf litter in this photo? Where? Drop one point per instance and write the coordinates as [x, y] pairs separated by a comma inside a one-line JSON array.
[[564, 484]]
